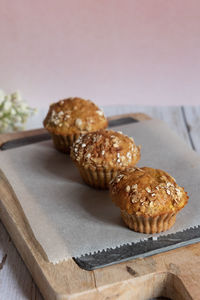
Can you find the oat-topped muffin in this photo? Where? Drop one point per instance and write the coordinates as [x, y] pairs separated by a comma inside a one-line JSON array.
[[149, 199], [69, 118], [101, 155]]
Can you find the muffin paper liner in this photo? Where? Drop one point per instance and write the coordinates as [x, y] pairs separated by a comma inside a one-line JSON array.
[[149, 224], [98, 178], [64, 142]]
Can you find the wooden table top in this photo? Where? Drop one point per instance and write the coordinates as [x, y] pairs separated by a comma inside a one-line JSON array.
[[15, 279]]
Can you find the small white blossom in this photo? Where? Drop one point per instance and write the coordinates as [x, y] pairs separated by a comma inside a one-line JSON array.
[[13, 112], [18, 119], [7, 105]]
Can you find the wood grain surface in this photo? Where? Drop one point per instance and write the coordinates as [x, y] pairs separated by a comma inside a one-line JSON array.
[[175, 274]]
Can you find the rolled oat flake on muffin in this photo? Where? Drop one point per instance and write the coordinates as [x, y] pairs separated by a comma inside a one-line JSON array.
[[69, 118], [149, 199], [100, 155]]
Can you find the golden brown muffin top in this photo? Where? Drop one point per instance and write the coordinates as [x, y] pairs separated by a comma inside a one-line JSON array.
[[74, 115], [105, 148], [147, 192]]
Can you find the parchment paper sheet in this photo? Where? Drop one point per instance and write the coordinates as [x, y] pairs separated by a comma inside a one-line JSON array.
[[69, 218]]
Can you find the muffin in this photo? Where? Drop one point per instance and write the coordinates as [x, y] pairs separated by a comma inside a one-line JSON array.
[[69, 118], [100, 155], [149, 199]]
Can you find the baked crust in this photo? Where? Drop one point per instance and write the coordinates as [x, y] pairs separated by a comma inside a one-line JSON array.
[[74, 115], [105, 148], [147, 192]]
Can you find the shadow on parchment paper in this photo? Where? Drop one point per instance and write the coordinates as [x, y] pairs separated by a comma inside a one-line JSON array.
[[96, 203], [56, 164], [100, 206]]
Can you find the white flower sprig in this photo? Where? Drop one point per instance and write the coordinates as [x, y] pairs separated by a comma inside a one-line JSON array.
[[14, 112]]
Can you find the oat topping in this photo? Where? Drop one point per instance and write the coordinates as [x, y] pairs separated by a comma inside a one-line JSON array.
[[55, 118], [163, 178], [106, 148], [99, 112], [116, 145], [151, 204], [148, 190], [134, 200], [88, 155], [161, 194], [168, 192], [74, 114], [118, 178], [78, 123], [134, 187], [179, 193], [128, 155], [139, 169], [123, 158]]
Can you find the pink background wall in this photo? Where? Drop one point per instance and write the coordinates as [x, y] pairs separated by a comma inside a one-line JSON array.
[[111, 51]]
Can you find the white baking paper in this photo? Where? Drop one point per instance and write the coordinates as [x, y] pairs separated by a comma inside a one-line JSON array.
[[68, 218]]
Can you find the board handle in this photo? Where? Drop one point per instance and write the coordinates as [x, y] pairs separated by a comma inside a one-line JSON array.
[[162, 285]]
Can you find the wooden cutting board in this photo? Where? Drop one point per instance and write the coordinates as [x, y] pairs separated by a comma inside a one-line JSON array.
[[174, 274]]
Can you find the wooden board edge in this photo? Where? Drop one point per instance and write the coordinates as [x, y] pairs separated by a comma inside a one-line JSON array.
[[5, 137], [46, 274]]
